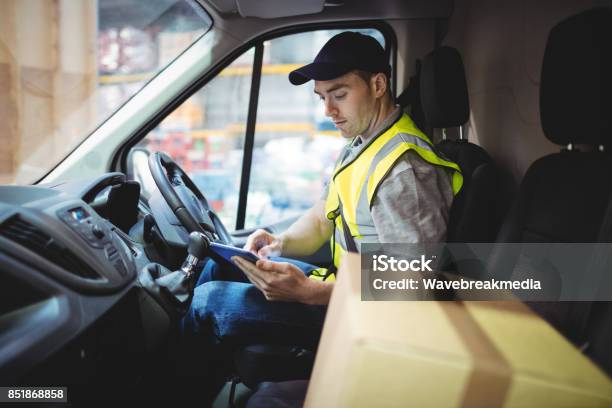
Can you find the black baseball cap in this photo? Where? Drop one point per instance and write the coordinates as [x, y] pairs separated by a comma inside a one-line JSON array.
[[344, 52]]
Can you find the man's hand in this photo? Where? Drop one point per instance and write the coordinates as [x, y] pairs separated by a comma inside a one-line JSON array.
[[281, 281], [264, 244]]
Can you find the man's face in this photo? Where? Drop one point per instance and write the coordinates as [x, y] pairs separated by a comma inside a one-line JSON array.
[[349, 102]]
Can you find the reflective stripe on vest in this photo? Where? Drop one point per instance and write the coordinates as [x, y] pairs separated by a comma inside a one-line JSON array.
[[355, 183]]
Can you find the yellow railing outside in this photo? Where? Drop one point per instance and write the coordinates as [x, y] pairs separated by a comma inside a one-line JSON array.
[[288, 127], [266, 69]]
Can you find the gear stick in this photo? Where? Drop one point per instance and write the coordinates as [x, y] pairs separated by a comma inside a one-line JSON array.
[[198, 244], [177, 286]]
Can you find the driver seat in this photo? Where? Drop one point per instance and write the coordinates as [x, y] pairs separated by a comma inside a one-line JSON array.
[[445, 104]]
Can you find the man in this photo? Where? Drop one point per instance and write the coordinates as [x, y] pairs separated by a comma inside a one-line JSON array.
[[389, 185]]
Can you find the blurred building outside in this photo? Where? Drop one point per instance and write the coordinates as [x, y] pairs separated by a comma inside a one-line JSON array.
[[85, 58]]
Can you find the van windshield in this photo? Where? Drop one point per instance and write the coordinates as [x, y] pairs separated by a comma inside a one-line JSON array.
[[78, 62]]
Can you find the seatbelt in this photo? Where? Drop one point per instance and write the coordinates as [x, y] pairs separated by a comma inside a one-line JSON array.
[[348, 238], [411, 97], [350, 242], [605, 232]]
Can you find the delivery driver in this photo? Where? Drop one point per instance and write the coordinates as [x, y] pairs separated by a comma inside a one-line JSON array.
[[389, 185]]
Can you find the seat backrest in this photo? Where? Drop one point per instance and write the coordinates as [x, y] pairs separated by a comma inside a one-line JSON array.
[[563, 197], [473, 214], [445, 102]]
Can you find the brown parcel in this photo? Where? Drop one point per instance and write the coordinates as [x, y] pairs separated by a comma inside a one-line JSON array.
[[445, 354]]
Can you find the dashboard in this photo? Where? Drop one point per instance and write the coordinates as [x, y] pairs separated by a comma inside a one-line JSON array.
[[76, 305], [71, 306]]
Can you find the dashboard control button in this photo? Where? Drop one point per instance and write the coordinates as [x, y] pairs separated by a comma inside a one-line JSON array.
[[97, 231]]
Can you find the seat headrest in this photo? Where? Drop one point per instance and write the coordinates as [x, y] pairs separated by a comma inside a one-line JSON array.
[[576, 85], [444, 95]]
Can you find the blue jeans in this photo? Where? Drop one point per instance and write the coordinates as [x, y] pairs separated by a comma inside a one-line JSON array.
[[228, 310]]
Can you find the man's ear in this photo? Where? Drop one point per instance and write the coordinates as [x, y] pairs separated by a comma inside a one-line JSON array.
[[379, 84]]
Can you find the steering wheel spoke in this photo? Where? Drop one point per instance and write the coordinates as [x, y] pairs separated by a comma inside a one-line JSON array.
[[185, 199]]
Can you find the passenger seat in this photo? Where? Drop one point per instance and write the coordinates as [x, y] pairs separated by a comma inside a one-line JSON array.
[[565, 197]]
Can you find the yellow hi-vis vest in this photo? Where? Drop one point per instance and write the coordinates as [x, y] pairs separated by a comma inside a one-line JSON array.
[[354, 184]]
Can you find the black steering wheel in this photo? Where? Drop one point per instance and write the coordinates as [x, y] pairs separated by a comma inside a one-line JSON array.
[[185, 199]]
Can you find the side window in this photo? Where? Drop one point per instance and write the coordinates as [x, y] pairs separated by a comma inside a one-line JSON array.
[[205, 135], [295, 145]]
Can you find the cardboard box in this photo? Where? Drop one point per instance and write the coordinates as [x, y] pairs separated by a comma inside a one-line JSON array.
[[445, 354]]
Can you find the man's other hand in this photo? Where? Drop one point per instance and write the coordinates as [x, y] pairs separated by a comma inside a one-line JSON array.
[[278, 281], [264, 244]]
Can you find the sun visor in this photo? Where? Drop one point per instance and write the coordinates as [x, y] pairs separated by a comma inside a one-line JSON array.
[[278, 8]]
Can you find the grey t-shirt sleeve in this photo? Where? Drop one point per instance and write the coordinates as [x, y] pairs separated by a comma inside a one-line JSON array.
[[413, 202]]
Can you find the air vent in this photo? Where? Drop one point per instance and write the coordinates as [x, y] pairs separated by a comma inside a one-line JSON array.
[[30, 236], [112, 254]]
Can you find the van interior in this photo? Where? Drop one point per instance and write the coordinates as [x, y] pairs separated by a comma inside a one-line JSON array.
[[515, 92]]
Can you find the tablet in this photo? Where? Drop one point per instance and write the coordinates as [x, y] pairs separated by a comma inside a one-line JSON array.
[[228, 251]]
